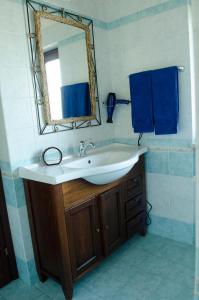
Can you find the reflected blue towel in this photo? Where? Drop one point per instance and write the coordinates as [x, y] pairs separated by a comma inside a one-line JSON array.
[[165, 100], [76, 100], [141, 102]]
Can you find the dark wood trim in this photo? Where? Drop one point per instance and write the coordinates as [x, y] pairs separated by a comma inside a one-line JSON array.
[[47, 223], [33, 231], [66, 276], [7, 233]]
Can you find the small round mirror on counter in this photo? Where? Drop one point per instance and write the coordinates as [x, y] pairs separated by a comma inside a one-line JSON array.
[[52, 156]]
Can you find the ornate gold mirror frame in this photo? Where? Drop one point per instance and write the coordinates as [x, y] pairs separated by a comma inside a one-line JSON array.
[[36, 11]]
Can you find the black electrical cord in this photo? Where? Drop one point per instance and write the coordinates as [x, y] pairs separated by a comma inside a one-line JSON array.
[[139, 139], [149, 208]]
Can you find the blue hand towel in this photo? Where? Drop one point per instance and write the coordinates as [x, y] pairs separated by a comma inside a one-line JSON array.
[[76, 100], [165, 100], [141, 102]]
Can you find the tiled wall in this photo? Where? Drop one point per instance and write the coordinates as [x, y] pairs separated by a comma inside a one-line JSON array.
[[20, 141], [121, 47], [170, 175], [148, 39], [171, 190]]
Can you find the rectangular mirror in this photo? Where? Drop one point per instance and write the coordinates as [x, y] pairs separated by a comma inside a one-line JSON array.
[[63, 60], [66, 66]]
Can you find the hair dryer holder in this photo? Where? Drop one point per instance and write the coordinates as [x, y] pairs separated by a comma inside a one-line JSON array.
[[111, 103]]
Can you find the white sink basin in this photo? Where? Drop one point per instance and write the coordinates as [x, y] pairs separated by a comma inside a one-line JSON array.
[[100, 166], [101, 159]]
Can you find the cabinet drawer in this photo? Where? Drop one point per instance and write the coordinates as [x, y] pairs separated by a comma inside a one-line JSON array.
[[134, 206], [135, 224], [134, 186]]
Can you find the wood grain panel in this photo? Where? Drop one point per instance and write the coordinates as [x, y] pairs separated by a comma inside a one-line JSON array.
[[112, 218], [79, 190], [84, 236]]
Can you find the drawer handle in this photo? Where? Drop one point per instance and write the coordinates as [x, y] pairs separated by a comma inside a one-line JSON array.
[[136, 182], [97, 230], [134, 200], [138, 203]]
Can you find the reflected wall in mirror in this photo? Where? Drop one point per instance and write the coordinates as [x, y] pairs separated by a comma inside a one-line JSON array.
[[64, 68]]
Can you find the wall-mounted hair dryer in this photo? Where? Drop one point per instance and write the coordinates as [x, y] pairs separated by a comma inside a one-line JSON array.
[[111, 103]]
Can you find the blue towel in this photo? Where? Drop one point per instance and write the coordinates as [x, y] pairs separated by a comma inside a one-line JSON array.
[[165, 100], [141, 102], [76, 100]]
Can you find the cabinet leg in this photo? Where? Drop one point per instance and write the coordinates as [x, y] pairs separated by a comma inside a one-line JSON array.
[[42, 277], [143, 231], [68, 292]]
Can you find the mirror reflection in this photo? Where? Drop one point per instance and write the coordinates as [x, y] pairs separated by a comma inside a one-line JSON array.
[[66, 66]]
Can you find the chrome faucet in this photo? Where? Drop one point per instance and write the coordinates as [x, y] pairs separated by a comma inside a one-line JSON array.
[[83, 147]]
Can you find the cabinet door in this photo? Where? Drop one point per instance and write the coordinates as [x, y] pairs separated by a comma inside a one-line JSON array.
[[84, 236], [4, 262], [5, 276], [112, 219], [8, 270]]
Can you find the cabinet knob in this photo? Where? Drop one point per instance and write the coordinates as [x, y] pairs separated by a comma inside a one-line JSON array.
[[106, 227], [97, 230]]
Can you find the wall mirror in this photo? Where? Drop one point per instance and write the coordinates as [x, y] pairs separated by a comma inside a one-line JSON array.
[[64, 68]]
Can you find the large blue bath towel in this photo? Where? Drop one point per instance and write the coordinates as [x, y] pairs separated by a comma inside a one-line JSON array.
[[141, 102], [165, 100], [76, 100]]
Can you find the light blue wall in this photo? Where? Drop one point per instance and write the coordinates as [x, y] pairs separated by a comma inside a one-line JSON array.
[[20, 142], [170, 175], [150, 39]]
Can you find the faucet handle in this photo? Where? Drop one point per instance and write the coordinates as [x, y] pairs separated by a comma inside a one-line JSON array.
[[82, 143], [81, 148]]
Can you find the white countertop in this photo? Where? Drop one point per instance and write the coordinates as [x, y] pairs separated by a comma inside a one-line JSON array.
[[101, 161]]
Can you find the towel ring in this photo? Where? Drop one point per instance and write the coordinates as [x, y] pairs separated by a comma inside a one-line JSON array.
[[45, 159]]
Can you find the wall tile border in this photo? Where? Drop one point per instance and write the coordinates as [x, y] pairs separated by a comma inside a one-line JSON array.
[[173, 229], [148, 12], [134, 17], [170, 157]]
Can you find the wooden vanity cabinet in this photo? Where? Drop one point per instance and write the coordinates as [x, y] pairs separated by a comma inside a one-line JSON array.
[[74, 225]]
